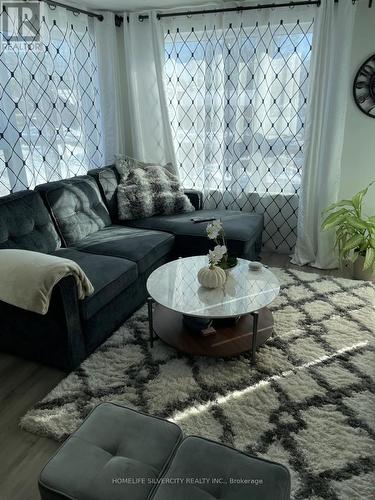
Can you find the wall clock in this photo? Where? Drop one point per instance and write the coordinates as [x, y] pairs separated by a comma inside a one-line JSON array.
[[364, 87]]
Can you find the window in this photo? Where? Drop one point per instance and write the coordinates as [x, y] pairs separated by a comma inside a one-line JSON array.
[[49, 103], [237, 100]]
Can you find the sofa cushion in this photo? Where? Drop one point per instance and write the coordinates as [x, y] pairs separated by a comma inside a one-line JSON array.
[[242, 230], [109, 276], [26, 224], [108, 179], [105, 457], [142, 247], [230, 474], [195, 197], [76, 207]]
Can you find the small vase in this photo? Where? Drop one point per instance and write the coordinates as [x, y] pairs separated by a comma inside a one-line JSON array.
[[227, 262], [212, 277]]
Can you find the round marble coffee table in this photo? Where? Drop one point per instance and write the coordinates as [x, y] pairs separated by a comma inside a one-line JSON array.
[[221, 322]]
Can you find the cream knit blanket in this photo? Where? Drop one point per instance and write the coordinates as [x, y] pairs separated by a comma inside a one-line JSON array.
[[27, 278]]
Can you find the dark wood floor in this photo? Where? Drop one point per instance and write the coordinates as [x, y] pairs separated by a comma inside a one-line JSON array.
[[22, 455], [23, 383]]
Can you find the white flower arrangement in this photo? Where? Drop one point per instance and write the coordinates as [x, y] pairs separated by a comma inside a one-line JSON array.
[[216, 255], [216, 233], [214, 230]]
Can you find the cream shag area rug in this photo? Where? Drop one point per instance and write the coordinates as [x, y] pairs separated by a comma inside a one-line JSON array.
[[309, 402]]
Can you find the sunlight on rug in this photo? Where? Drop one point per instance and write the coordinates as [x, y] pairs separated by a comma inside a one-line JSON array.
[[179, 417]]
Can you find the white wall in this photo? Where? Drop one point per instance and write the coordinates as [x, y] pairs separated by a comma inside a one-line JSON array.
[[358, 161]]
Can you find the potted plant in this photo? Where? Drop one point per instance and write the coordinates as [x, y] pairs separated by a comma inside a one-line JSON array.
[[355, 234], [216, 233]]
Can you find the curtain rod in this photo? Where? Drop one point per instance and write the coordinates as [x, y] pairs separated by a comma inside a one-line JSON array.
[[238, 9], [52, 3]]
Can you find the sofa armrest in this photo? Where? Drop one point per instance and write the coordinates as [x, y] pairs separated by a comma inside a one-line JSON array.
[[55, 338], [68, 297], [195, 197]]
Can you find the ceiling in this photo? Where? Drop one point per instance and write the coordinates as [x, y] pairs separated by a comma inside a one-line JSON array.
[[123, 5]]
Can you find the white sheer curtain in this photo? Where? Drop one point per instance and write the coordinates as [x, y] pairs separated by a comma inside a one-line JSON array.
[[329, 94], [49, 106], [111, 83], [147, 123], [237, 90]]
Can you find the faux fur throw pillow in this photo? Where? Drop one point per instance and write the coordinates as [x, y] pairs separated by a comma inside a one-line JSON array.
[[150, 191], [125, 164]]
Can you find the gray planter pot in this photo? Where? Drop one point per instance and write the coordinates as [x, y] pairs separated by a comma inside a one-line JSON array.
[[359, 273], [346, 269]]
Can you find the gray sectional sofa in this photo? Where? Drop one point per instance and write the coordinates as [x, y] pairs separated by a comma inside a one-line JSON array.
[[77, 219]]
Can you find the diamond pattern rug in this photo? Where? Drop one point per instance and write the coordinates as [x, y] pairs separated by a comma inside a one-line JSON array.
[[309, 402]]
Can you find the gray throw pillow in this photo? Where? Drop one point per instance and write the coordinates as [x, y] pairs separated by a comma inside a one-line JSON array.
[[125, 164], [150, 191]]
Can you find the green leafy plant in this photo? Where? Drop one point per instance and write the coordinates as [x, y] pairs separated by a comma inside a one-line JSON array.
[[355, 233]]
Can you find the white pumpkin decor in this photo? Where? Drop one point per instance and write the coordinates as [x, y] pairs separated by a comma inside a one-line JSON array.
[[212, 277]]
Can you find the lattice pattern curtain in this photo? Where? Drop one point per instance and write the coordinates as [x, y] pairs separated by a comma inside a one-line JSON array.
[[237, 88], [49, 101]]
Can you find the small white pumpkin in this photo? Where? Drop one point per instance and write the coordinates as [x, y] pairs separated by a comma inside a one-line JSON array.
[[212, 277]]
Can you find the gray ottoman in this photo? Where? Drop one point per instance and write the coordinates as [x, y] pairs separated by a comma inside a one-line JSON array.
[[112, 444], [211, 470], [118, 453]]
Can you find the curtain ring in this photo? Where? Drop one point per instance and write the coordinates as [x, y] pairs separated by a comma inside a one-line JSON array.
[[51, 6]]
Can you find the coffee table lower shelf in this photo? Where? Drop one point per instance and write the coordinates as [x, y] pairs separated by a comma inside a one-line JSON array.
[[244, 335]]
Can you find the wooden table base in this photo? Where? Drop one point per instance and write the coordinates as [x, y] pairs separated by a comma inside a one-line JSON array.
[[229, 339]]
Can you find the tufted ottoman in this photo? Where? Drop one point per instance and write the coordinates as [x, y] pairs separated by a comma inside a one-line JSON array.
[[118, 453]]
